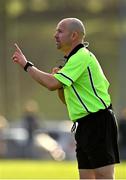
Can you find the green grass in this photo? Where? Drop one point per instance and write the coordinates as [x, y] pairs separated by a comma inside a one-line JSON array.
[[32, 169], [38, 169]]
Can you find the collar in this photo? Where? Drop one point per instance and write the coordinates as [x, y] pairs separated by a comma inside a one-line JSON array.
[[74, 51]]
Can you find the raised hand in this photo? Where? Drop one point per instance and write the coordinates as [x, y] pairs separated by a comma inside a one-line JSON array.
[[18, 57]]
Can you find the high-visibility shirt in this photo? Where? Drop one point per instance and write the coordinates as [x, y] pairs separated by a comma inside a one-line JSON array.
[[85, 85]]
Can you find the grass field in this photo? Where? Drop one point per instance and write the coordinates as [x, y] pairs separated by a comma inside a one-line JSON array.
[[32, 169]]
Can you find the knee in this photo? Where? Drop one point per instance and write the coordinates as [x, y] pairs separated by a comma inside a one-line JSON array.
[[100, 175], [106, 172], [86, 174]]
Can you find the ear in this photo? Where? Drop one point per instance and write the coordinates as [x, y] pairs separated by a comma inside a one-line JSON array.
[[74, 35]]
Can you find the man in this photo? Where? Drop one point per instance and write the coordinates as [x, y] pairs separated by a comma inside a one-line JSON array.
[[83, 87]]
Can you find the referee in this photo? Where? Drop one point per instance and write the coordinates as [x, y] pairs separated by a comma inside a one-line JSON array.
[[83, 87]]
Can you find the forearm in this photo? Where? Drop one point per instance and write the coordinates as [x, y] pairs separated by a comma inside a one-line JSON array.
[[45, 79]]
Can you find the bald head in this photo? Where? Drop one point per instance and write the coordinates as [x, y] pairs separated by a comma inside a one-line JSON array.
[[69, 33], [74, 24]]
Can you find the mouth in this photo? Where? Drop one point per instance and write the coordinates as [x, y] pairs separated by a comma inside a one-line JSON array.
[[57, 41]]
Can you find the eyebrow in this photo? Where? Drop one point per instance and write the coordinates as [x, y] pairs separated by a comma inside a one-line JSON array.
[[59, 29]]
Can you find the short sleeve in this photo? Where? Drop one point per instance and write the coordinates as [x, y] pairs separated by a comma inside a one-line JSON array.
[[73, 69]]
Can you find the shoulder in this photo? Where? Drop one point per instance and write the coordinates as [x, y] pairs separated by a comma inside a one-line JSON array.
[[80, 56]]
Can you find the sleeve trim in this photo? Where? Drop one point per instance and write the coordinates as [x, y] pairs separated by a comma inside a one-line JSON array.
[[66, 77]]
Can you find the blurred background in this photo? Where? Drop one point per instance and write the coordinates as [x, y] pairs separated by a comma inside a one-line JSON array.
[[31, 24]]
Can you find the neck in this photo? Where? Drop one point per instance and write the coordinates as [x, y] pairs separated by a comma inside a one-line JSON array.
[[67, 51]]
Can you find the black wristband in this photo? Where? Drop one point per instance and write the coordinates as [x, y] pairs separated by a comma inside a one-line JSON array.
[[27, 65]]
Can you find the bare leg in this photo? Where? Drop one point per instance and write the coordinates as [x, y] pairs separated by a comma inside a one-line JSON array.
[[106, 172], [86, 174]]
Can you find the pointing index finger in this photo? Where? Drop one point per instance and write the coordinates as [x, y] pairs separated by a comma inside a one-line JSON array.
[[17, 48]]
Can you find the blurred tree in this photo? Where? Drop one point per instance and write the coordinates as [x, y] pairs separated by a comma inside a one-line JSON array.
[[15, 8], [3, 75], [122, 55]]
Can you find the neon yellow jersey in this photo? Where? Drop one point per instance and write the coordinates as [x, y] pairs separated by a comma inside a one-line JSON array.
[[85, 85]]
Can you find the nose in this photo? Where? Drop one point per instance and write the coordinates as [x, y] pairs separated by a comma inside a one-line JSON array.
[[55, 35]]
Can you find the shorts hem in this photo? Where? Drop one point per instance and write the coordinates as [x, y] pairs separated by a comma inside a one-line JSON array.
[[100, 166]]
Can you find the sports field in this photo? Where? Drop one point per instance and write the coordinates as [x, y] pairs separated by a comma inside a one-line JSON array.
[[32, 169]]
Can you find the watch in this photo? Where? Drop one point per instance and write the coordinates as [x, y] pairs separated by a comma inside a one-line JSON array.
[[27, 65]]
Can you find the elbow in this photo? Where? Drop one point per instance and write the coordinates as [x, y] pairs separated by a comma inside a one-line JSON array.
[[53, 85], [51, 88]]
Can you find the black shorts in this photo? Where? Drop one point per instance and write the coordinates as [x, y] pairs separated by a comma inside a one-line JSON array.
[[96, 138]]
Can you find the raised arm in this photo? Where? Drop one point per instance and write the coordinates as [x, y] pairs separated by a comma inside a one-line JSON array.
[[45, 79]]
